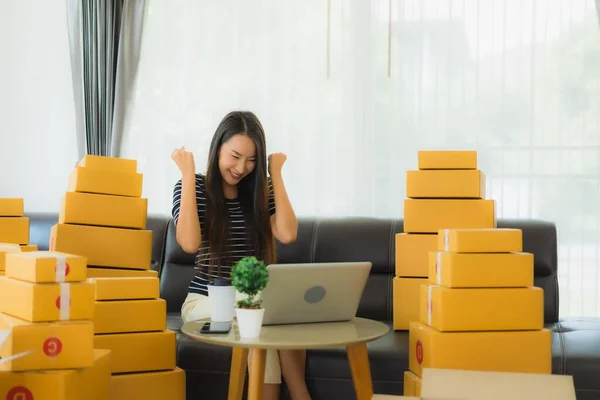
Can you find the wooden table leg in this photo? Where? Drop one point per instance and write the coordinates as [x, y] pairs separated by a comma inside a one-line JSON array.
[[258, 359], [237, 373], [361, 371]]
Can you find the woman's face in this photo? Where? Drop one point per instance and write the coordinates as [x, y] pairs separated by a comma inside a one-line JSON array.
[[237, 158]]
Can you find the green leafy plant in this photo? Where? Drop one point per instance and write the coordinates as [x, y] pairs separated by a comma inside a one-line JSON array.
[[249, 276]]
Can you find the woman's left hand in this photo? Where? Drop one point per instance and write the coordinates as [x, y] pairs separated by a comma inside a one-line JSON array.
[[276, 161]]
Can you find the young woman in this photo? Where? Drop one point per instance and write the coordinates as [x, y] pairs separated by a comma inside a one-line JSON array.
[[232, 212]]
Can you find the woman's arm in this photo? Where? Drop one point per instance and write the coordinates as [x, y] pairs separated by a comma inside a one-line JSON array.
[[284, 223], [185, 207], [188, 231]]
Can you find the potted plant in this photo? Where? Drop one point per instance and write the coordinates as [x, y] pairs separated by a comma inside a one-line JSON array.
[[249, 276]]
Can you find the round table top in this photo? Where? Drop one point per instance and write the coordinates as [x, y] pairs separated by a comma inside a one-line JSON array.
[[295, 336]]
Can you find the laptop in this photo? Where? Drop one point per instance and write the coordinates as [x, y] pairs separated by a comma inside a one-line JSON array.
[[313, 292]]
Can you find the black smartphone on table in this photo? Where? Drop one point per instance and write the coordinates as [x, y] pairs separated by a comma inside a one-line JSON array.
[[216, 327]]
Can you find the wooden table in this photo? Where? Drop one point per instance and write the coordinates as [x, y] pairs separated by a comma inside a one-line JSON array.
[[353, 335]]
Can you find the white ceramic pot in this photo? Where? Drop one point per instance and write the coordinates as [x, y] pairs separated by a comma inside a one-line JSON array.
[[249, 322]]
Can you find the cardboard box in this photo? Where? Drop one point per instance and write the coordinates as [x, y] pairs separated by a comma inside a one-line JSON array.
[[125, 316], [495, 240], [445, 184], [406, 296], [46, 267], [485, 385], [510, 351], [126, 288], [139, 352], [6, 248], [505, 309], [481, 270], [11, 207], [149, 385], [104, 247], [412, 384], [46, 302], [46, 345], [412, 254], [14, 230], [447, 159], [431, 216], [117, 183], [89, 383], [119, 272], [109, 163], [103, 210]]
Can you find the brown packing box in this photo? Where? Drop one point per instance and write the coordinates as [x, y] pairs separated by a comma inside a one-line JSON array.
[[412, 251], [139, 352], [14, 230], [481, 270], [412, 384], [124, 316], [46, 302], [119, 272], [11, 207], [494, 240], [103, 210], [126, 288], [86, 180], [149, 385], [6, 248], [509, 351], [431, 216], [406, 297], [104, 247], [46, 267], [447, 159], [91, 383], [46, 345], [108, 163], [485, 309], [445, 184], [486, 385]]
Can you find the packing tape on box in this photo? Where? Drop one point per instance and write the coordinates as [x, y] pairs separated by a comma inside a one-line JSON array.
[[61, 268], [65, 301], [447, 239], [438, 270], [429, 305]]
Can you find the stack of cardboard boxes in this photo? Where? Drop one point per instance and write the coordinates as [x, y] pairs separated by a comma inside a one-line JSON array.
[[478, 309], [131, 320], [103, 217], [447, 191], [14, 229], [47, 343]]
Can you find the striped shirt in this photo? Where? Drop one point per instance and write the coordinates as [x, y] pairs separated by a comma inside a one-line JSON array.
[[236, 245]]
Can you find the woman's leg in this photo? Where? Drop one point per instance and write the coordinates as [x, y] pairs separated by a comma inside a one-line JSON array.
[[293, 368], [195, 307], [272, 380]]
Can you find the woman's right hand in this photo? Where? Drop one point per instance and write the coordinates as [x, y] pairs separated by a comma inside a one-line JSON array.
[[185, 161]]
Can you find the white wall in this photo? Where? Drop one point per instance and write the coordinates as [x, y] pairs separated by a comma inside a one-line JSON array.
[[38, 146]]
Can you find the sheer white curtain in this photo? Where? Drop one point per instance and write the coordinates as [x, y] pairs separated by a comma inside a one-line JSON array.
[[350, 90]]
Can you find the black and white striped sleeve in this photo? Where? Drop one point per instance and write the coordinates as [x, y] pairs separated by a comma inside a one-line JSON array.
[[271, 198]]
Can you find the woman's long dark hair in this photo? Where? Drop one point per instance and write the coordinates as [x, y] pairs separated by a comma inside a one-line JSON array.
[[253, 192]]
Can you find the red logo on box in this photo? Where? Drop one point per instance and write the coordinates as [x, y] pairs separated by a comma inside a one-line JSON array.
[[58, 302], [52, 347], [419, 352], [19, 393], [67, 269]]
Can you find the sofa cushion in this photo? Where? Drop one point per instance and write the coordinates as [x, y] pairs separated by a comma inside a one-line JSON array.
[[580, 341]]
